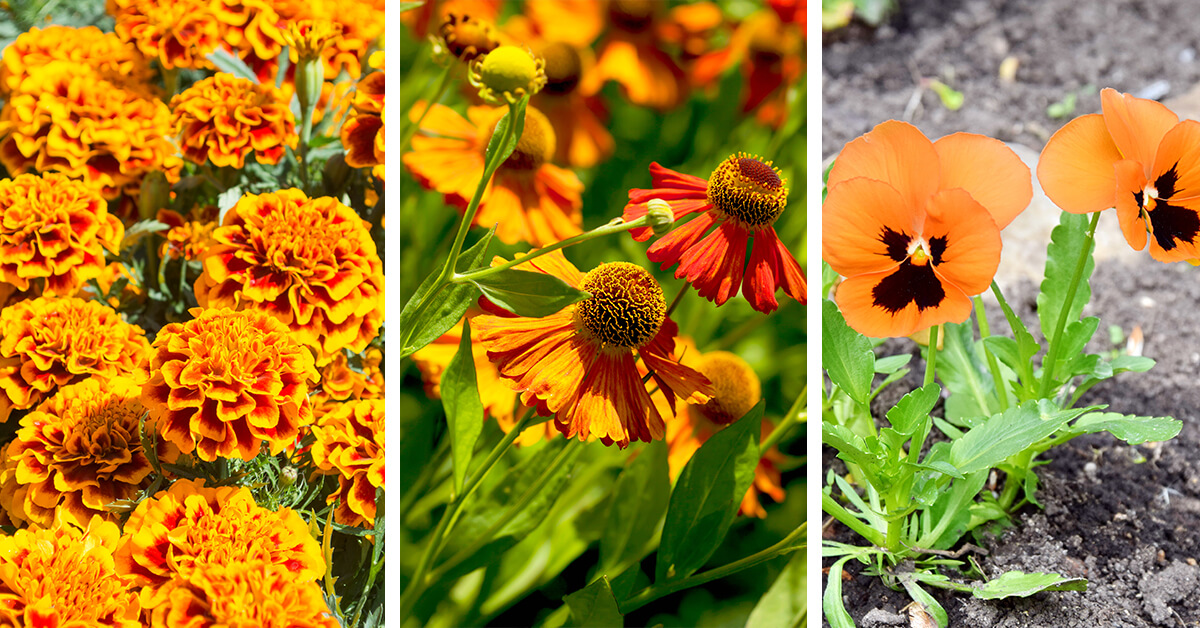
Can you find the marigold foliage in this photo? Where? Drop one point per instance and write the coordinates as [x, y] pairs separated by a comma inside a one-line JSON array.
[[350, 439], [255, 593], [224, 118]]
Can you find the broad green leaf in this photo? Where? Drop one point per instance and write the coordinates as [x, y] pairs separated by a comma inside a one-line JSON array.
[[908, 413], [230, 64], [450, 304], [1007, 433], [831, 602], [408, 6], [639, 501], [892, 363], [139, 230], [464, 411], [706, 497], [846, 354], [1134, 363], [923, 598], [594, 605], [1134, 430], [1017, 584], [1062, 255], [964, 373], [631, 580], [784, 604], [526, 293]]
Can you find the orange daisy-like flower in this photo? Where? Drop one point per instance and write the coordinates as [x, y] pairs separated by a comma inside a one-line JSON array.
[[527, 200], [77, 453], [114, 60], [428, 17], [190, 526], [341, 383], [188, 238], [177, 34], [64, 576], [227, 382], [743, 197], [311, 263], [631, 54], [53, 233], [1136, 156], [362, 133], [66, 118], [914, 226], [350, 440], [579, 365], [46, 343], [223, 118], [464, 37], [250, 593]]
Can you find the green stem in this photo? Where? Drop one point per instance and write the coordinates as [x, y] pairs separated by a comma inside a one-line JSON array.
[[1024, 368], [839, 512], [417, 488], [931, 361], [1014, 481], [794, 416], [1049, 366], [412, 129], [678, 298], [993, 365]]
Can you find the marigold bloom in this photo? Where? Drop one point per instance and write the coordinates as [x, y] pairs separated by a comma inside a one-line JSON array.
[[254, 31], [311, 263], [578, 364], [914, 225], [250, 593], [64, 576], [362, 133], [112, 59], [341, 383], [47, 343], [631, 54], [350, 440], [223, 118], [743, 197], [77, 453], [227, 382], [186, 528], [53, 233], [66, 118], [527, 200], [1136, 156], [188, 238], [177, 34]]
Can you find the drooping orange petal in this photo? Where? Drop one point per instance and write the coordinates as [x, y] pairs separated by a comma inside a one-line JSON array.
[[442, 121], [987, 169], [972, 240], [1075, 168], [1137, 125], [1130, 182], [896, 153]]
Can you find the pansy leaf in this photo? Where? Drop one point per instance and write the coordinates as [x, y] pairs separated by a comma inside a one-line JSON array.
[[831, 602], [707, 496], [1134, 430], [927, 602], [1017, 584], [892, 363], [784, 604], [638, 503], [464, 411], [911, 413], [527, 293], [450, 304], [1007, 433], [963, 372], [846, 354], [230, 64], [1067, 242], [594, 606]]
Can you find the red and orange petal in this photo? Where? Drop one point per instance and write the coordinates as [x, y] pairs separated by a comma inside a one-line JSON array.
[[226, 383], [64, 575], [224, 118], [309, 262], [114, 60], [53, 234], [350, 440], [176, 34], [46, 343], [363, 132], [631, 54], [184, 529], [188, 238], [249, 593], [528, 200], [253, 30], [341, 383]]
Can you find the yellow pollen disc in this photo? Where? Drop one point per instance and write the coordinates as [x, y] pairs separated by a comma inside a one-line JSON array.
[[563, 67], [735, 387], [467, 38], [748, 190], [536, 145], [626, 308]]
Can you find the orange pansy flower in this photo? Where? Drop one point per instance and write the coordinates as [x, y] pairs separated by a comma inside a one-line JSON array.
[[1138, 157], [914, 226]]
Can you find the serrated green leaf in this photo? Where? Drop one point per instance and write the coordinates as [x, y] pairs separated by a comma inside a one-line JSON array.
[[964, 373], [230, 64], [1007, 433], [451, 303], [1134, 430], [846, 354], [1017, 584], [913, 409], [784, 604], [639, 501], [527, 293], [1066, 242], [464, 410], [594, 606]]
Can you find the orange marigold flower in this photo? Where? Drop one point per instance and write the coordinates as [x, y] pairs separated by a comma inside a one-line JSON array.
[[53, 233], [631, 54], [64, 576], [112, 59], [227, 382], [914, 225], [528, 199], [244, 593], [362, 133], [743, 197], [223, 118], [46, 343], [253, 30], [311, 263], [578, 364], [189, 238], [1136, 156], [184, 529], [66, 118], [350, 439], [177, 34], [341, 383], [80, 451]]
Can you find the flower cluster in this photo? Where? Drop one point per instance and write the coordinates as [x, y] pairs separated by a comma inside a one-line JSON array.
[[223, 118], [112, 59], [351, 440]]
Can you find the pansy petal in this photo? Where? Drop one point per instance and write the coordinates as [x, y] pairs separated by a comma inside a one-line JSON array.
[[896, 153], [858, 299], [1076, 166], [963, 235], [1177, 162], [987, 169], [866, 226], [1130, 182], [1137, 125]]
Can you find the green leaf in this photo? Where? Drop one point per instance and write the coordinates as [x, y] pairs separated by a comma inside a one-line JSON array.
[[1007, 433], [408, 6], [230, 64], [831, 602], [923, 598], [226, 200], [1134, 430], [594, 605], [1017, 584], [913, 409], [452, 302], [846, 354], [527, 293], [951, 99], [1066, 242], [706, 497], [964, 372], [784, 604], [464, 411], [1063, 108], [892, 363], [639, 501], [496, 154], [828, 277], [139, 230], [1134, 363]]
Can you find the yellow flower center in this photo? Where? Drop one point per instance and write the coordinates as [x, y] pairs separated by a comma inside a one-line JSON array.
[[631, 15], [509, 69], [536, 145], [735, 387], [626, 308], [748, 190], [467, 38], [563, 67]]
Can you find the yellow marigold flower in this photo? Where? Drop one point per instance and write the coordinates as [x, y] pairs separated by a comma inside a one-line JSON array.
[[114, 60], [77, 453], [53, 233], [311, 263], [226, 382], [66, 118], [182, 530], [341, 383], [363, 134], [64, 576], [251, 593], [188, 238], [224, 118], [350, 439], [179, 33], [47, 343]]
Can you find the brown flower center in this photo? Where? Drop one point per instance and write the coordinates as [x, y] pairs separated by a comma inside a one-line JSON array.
[[466, 37], [536, 145], [626, 308], [735, 387], [748, 190], [563, 67], [631, 15]]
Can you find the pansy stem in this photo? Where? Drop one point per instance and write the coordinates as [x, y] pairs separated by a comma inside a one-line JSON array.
[[1049, 365], [1024, 368], [931, 359], [993, 365], [441, 89]]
